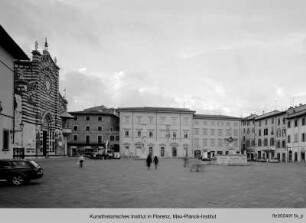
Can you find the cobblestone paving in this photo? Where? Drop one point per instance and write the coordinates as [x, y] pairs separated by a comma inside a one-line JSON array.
[[128, 184]]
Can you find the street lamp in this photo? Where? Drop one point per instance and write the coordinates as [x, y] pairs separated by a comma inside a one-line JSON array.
[[287, 153], [21, 129], [143, 137]]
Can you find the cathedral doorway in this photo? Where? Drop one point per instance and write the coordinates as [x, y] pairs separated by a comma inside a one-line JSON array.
[[47, 136], [45, 143]]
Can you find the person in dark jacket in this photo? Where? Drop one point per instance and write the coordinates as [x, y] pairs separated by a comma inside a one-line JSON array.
[[81, 161], [155, 161], [149, 161]]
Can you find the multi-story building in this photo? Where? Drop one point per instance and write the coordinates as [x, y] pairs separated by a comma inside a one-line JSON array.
[[280, 136], [93, 129], [296, 134], [216, 135], [165, 132], [248, 136], [9, 52], [270, 135], [39, 106]]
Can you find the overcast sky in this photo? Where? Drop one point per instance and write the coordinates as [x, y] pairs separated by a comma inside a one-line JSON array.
[[231, 57]]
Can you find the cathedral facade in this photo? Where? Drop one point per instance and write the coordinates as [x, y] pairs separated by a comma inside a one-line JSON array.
[[39, 106]]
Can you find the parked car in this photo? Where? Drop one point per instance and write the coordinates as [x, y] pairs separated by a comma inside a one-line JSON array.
[[20, 172]]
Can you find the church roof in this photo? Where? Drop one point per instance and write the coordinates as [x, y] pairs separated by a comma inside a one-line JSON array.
[[11, 46]]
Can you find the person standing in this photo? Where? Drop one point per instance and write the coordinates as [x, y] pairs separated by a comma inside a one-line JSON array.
[[149, 161], [81, 161], [185, 161], [155, 161]]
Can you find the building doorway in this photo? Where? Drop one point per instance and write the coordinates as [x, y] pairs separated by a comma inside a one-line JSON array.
[[18, 153], [47, 137], [252, 157], [290, 156], [162, 151], [303, 156], [283, 157], [259, 154], [295, 157], [45, 143], [174, 152]]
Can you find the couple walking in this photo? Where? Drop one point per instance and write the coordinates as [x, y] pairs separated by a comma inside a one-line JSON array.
[[149, 161]]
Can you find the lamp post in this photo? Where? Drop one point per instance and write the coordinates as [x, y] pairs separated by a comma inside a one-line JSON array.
[[168, 136], [21, 130], [143, 137], [287, 154]]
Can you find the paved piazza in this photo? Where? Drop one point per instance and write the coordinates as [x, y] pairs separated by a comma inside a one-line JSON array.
[[128, 184]]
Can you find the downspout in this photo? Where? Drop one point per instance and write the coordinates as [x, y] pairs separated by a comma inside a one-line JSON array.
[[14, 103], [156, 127]]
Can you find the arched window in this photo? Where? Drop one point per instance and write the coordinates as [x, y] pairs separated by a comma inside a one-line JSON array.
[[265, 142], [248, 143], [259, 142]]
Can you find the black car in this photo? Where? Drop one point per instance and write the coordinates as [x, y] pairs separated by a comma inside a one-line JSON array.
[[19, 172]]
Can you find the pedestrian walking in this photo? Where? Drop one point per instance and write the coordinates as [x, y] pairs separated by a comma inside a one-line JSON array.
[[149, 161], [81, 161], [185, 161], [155, 161]]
